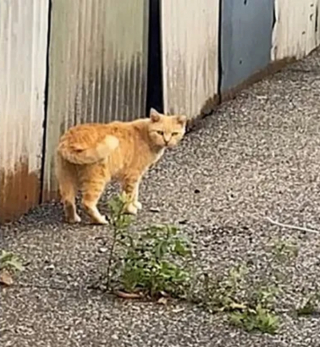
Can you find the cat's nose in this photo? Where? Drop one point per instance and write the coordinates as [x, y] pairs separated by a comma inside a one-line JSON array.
[[166, 140]]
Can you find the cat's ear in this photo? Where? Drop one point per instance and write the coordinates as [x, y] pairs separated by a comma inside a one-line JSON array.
[[154, 115], [182, 119]]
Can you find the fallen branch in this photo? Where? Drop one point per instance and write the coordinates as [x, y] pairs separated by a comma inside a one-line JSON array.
[[289, 226]]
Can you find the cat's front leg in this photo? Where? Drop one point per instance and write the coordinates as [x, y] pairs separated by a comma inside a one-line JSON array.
[[136, 201], [138, 204], [131, 188]]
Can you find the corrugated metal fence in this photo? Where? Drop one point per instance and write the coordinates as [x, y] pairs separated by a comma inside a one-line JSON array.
[[23, 51], [190, 55], [64, 62]]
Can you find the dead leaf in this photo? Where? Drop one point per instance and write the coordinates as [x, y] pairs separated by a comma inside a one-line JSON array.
[[163, 301], [237, 306], [164, 294], [5, 278], [124, 295], [178, 309]]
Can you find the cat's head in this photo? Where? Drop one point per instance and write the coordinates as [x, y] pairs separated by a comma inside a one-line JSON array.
[[166, 131]]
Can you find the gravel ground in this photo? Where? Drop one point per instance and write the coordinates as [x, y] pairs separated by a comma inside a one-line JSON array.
[[256, 157]]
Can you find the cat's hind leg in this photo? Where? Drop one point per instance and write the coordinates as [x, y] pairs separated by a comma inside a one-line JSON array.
[[68, 191], [91, 193]]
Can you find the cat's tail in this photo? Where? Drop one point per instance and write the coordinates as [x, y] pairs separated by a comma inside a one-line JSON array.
[[77, 154]]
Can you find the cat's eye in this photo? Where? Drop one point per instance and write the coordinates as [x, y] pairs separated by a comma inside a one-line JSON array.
[[175, 134], [160, 132]]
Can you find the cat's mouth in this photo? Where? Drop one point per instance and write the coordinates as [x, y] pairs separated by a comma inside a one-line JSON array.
[[167, 142], [169, 145]]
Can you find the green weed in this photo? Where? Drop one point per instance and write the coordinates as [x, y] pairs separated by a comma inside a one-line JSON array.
[[10, 262], [9, 266], [152, 261]]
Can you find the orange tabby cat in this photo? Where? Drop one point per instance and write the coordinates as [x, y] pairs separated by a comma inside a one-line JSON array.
[[90, 155]]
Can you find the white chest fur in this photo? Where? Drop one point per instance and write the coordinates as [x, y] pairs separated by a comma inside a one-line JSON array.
[[158, 156]]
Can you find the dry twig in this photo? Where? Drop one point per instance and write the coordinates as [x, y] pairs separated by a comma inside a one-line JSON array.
[[289, 226]]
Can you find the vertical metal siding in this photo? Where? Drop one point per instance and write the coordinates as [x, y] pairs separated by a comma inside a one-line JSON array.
[[246, 39], [190, 31], [296, 32], [98, 67], [23, 51]]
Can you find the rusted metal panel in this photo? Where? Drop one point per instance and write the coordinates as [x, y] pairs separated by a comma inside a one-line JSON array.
[[98, 67], [23, 51], [190, 31], [296, 32], [246, 39]]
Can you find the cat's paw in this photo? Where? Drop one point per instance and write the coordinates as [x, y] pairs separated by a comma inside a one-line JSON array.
[[75, 219], [132, 209], [100, 220], [138, 205]]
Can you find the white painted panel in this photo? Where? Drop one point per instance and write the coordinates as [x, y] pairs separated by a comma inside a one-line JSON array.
[[296, 32], [190, 31], [23, 52]]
